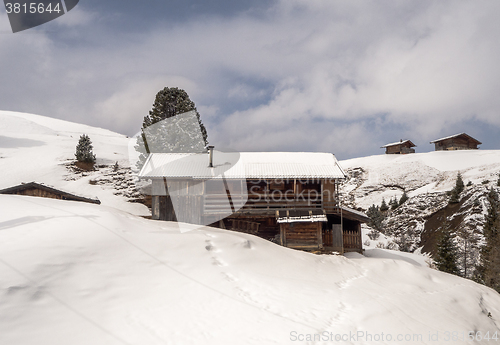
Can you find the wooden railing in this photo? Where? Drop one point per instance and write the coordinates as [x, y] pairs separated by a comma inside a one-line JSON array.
[[217, 203], [351, 239]]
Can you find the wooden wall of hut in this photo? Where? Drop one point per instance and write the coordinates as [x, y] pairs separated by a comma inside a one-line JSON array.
[[329, 195], [458, 143], [301, 235], [39, 193]]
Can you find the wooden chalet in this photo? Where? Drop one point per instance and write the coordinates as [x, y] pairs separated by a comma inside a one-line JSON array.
[[40, 190], [400, 147], [289, 198], [460, 141]]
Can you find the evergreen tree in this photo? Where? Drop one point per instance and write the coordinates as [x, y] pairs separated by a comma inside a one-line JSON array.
[[459, 183], [84, 150], [490, 253], [383, 206], [468, 251], [376, 217], [498, 181], [446, 260], [178, 135], [403, 198], [394, 203], [457, 190]]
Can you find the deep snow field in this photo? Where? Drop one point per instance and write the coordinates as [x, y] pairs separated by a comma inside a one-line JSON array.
[[77, 273]]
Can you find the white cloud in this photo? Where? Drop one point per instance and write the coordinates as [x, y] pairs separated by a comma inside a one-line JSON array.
[[334, 69], [76, 17]]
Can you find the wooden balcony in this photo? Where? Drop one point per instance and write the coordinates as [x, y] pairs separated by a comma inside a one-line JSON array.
[[218, 203]]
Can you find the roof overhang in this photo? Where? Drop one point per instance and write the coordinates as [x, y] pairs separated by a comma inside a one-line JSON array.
[[399, 143], [456, 136], [66, 195], [352, 214]]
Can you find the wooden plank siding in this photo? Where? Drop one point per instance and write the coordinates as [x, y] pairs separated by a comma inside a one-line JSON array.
[[461, 141], [352, 240], [200, 202], [262, 196], [302, 235], [399, 149], [329, 192], [455, 144]]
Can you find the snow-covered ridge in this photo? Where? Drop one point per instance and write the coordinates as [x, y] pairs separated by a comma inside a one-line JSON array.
[[426, 178], [386, 176], [40, 149]]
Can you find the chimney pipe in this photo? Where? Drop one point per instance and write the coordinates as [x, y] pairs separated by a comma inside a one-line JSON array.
[[211, 156]]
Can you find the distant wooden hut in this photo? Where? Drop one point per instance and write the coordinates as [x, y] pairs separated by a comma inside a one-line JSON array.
[[460, 141], [400, 147], [43, 191]]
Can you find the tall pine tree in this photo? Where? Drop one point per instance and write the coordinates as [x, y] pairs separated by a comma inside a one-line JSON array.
[[403, 198], [393, 204], [446, 259], [490, 253], [457, 190], [376, 217], [383, 206], [181, 134]]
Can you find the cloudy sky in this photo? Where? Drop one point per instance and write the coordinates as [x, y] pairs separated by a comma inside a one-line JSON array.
[[341, 76]]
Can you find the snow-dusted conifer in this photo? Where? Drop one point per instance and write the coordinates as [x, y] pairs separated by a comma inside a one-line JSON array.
[[446, 259], [168, 103], [383, 206], [403, 198], [376, 217], [457, 190], [84, 151], [490, 253], [394, 203]]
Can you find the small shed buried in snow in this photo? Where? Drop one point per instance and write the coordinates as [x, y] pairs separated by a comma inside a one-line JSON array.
[[400, 147], [43, 191], [460, 141]]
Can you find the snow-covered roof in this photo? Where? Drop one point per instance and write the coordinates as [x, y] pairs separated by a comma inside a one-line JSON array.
[[64, 195], [237, 165], [399, 143], [457, 135], [357, 214]]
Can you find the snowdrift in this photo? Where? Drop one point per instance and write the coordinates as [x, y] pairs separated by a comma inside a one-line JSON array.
[[75, 273]]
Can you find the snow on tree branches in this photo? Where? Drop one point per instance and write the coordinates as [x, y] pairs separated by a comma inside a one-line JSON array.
[[84, 152]]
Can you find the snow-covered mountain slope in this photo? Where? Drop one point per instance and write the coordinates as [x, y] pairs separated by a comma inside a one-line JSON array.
[[41, 149], [386, 176], [426, 178], [76, 273]]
